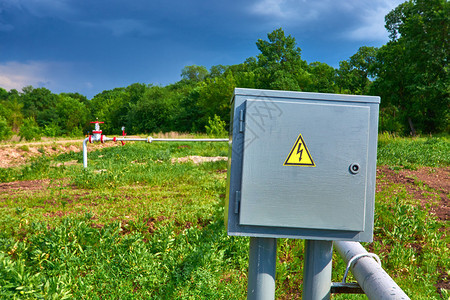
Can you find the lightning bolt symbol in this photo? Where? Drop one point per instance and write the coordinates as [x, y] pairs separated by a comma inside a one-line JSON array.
[[300, 151]]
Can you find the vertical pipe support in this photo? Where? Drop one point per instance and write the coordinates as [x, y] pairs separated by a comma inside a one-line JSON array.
[[261, 268], [317, 269], [85, 152]]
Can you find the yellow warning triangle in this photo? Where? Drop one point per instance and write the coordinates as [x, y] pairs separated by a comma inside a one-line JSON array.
[[299, 155]]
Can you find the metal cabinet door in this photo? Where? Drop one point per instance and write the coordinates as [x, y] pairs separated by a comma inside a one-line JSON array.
[[325, 196]]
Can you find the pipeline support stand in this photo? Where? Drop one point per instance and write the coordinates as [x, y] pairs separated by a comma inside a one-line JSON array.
[[261, 268], [317, 270]]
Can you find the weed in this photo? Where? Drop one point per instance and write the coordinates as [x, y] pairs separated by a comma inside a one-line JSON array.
[[24, 148]]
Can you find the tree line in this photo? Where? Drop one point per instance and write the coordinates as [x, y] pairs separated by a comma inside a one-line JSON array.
[[409, 72]]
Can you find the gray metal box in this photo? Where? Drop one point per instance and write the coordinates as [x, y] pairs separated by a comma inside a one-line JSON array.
[[302, 165]]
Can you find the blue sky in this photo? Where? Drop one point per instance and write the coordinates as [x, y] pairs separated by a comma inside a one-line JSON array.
[[88, 46]]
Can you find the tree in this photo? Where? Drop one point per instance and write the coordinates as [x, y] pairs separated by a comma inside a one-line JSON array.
[[194, 73], [5, 129], [11, 109], [322, 78], [36, 102], [353, 74], [154, 112], [3, 94], [279, 65], [216, 71], [412, 68], [214, 99], [29, 130], [71, 114], [111, 107]]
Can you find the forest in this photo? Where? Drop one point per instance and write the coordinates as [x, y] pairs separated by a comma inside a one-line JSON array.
[[409, 73]]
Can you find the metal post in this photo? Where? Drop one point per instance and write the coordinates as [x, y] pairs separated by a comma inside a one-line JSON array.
[[85, 153], [317, 270], [261, 268]]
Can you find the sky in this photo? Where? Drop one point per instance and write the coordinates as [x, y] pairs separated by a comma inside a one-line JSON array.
[[88, 46]]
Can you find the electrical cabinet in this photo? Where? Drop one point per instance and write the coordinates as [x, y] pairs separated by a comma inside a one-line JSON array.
[[302, 165]]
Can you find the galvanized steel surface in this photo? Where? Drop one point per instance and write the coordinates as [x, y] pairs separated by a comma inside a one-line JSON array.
[[317, 270], [333, 200], [374, 281], [261, 269]]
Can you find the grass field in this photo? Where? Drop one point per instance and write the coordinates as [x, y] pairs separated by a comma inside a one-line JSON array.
[[136, 225]]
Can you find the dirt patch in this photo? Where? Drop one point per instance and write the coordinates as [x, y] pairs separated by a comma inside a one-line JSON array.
[[27, 185], [443, 281], [67, 163], [198, 159], [436, 179], [57, 213], [14, 155]]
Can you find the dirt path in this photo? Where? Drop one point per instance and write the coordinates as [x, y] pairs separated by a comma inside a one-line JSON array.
[[14, 155]]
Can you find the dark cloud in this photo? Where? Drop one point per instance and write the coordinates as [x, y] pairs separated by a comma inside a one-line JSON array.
[[115, 43]]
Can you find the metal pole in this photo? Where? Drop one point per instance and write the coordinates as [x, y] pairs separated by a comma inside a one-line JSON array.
[[374, 281], [261, 268], [317, 270], [85, 152]]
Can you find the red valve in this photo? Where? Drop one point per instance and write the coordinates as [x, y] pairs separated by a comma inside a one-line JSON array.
[[123, 134]]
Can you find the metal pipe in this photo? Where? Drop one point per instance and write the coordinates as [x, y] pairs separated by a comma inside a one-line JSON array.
[[190, 140], [98, 137], [317, 270], [150, 139], [374, 281], [85, 152], [261, 268]]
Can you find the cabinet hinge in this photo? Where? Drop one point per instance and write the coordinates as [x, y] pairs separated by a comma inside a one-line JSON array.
[[241, 121], [237, 202]]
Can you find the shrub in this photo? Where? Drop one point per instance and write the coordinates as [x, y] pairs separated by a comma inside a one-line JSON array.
[[216, 127], [29, 130], [5, 129], [76, 132], [52, 130]]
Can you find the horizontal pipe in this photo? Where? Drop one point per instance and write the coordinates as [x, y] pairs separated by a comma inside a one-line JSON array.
[[189, 140], [102, 138], [374, 281], [150, 139]]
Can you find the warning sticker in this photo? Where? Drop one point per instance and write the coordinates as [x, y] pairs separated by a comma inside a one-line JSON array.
[[299, 155]]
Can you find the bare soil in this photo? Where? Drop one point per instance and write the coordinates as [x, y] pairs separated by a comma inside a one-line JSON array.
[[198, 159], [14, 155], [421, 184]]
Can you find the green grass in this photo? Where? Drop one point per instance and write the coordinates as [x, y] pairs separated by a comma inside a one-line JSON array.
[[413, 152], [144, 228]]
